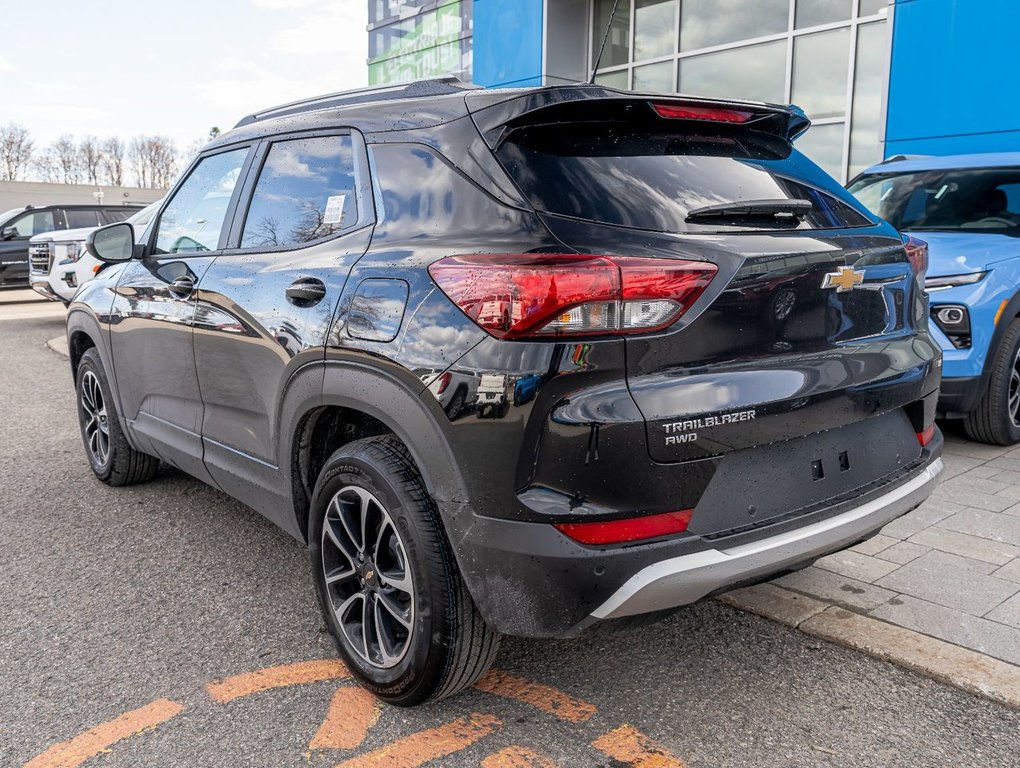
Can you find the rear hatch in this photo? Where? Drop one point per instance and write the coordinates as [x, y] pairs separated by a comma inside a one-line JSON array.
[[810, 321]]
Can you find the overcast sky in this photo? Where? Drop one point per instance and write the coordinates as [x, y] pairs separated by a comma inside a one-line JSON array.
[[170, 67]]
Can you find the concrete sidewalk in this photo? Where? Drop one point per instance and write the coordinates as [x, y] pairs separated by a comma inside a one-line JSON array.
[[949, 572]]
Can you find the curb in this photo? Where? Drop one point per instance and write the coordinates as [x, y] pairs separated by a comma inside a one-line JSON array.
[[59, 345], [960, 667]]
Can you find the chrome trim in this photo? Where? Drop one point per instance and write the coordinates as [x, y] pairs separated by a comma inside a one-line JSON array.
[[685, 579]]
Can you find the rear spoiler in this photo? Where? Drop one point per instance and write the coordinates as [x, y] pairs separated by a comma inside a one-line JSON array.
[[497, 118]]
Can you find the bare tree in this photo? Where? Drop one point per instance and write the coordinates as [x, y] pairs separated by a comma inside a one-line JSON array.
[[15, 151], [68, 160], [90, 154], [153, 160], [113, 161]]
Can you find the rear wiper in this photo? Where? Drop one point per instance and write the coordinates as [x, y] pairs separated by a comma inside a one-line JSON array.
[[784, 210]]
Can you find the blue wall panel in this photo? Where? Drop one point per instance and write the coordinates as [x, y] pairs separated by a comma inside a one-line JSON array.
[[507, 42], [954, 82]]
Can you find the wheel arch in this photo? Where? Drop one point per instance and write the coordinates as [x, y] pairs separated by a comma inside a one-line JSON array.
[[370, 400]]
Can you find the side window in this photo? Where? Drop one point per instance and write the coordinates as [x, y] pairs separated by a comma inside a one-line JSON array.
[[305, 192], [76, 219], [193, 219], [33, 223], [113, 215], [1012, 198]]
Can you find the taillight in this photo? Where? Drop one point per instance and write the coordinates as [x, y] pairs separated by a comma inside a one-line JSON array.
[[443, 381], [917, 254], [629, 529], [514, 296], [692, 112], [927, 435]]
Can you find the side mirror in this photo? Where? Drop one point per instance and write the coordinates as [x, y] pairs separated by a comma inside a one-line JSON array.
[[113, 243], [9, 233]]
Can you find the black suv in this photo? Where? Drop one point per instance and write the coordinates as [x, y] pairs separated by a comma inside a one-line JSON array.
[[681, 357], [19, 225]]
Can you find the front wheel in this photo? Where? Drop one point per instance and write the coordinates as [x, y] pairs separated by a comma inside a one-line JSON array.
[[387, 582], [996, 420]]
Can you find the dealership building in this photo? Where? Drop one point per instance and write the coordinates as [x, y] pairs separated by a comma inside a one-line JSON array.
[[876, 77]]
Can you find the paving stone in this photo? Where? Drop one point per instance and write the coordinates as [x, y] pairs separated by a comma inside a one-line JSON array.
[[957, 465], [1007, 612], [972, 498], [985, 472], [1010, 492], [1011, 462], [1010, 571], [950, 580], [856, 566], [967, 483], [965, 545], [954, 626], [987, 525], [874, 545], [778, 604], [1004, 475], [903, 552], [836, 588], [930, 512], [971, 449]]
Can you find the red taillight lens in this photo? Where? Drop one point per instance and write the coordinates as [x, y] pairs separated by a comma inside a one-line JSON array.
[[917, 254], [693, 112], [443, 381], [629, 529], [927, 435], [514, 296]]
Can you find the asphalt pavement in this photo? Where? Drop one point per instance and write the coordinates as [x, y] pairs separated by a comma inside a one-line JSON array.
[[119, 608]]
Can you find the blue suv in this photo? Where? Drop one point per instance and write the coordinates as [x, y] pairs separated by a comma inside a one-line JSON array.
[[967, 208]]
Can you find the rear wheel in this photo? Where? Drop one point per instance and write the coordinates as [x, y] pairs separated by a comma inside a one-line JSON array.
[[996, 420], [388, 585], [111, 457]]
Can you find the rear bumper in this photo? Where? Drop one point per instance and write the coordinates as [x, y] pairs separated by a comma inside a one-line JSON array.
[[688, 578]]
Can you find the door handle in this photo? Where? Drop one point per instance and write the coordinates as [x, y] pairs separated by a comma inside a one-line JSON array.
[[182, 287], [306, 292]]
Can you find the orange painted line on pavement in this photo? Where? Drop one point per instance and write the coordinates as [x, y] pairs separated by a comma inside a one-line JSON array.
[[76, 751], [517, 757], [351, 713], [543, 697], [245, 684], [631, 747], [417, 749]]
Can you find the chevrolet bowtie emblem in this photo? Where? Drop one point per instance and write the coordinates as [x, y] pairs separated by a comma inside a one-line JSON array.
[[843, 279]]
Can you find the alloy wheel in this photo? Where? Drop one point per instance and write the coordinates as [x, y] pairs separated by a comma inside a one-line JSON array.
[[97, 427], [367, 576], [1013, 399]]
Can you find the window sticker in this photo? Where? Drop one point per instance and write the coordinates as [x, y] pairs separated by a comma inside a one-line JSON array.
[[334, 209]]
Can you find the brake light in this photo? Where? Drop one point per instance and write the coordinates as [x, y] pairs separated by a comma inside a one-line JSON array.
[[515, 296], [629, 529], [917, 254], [927, 435], [691, 112]]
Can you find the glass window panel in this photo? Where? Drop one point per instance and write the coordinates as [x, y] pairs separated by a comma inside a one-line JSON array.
[[756, 72], [192, 220], [824, 145], [617, 49], [654, 77], [713, 22], [867, 106], [820, 63], [654, 29], [32, 224], [305, 192], [613, 79], [871, 7], [813, 12]]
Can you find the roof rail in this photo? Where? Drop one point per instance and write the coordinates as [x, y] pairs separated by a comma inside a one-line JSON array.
[[440, 86], [897, 158]]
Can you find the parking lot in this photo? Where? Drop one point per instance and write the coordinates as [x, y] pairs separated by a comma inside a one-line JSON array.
[[138, 622]]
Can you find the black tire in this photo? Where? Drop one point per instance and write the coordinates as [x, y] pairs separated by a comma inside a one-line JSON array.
[[119, 464], [996, 420], [448, 646]]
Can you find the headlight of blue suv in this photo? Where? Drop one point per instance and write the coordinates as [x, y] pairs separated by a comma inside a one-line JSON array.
[[951, 281], [954, 320]]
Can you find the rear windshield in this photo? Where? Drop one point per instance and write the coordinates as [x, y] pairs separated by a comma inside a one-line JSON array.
[[985, 200], [654, 180]]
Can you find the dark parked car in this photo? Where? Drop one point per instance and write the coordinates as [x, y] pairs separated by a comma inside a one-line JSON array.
[[19, 225], [586, 254]]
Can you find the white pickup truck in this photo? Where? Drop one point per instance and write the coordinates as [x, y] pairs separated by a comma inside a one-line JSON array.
[[58, 262]]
